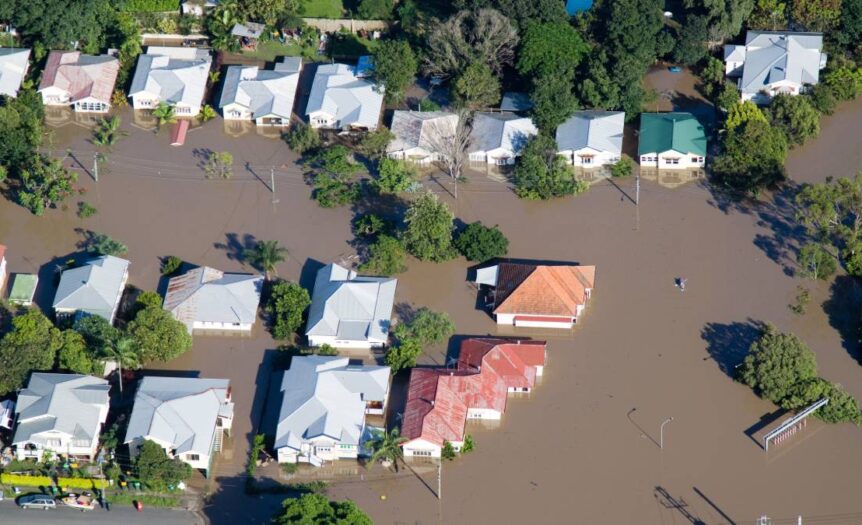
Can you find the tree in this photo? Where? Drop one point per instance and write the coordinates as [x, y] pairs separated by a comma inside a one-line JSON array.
[[333, 185], [31, 344], [844, 81], [831, 212], [219, 165], [386, 256], [427, 327], [597, 88], [815, 262], [171, 264], [107, 131], [726, 17], [59, 24], [96, 331], [542, 174], [164, 114], [123, 351], [753, 157], [450, 138], [691, 46], [403, 354], [842, 407], [207, 113], [776, 362], [370, 225], [448, 451], [742, 113], [550, 49], [265, 256], [21, 130], [768, 15], [158, 335], [74, 356], [315, 509], [795, 116], [287, 303], [375, 9], [485, 36], [476, 87], [374, 143], [387, 447], [480, 243], [850, 35], [428, 236], [816, 15], [553, 101], [156, 470], [301, 137], [104, 244], [712, 77], [623, 167], [44, 184], [394, 176], [395, 65]]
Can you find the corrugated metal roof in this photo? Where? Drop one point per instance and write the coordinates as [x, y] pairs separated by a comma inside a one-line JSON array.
[[598, 130], [338, 92], [428, 130], [681, 132], [542, 290], [93, 288], [500, 131], [208, 295], [172, 74], [82, 76], [263, 93], [777, 56], [13, 67]]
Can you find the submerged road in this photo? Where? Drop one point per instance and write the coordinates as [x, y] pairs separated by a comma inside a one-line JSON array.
[[11, 513]]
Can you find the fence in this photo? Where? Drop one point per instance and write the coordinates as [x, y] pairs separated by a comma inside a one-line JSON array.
[[332, 25]]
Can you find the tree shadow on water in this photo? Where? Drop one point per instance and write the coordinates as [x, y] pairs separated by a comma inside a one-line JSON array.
[[235, 245], [728, 344], [842, 308]]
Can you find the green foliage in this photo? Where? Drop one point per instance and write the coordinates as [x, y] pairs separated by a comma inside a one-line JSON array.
[[768, 15], [476, 87], [207, 113], [369, 225], [623, 167], [104, 244], [597, 88], [315, 509], [387, 447], [171, 264], [428, 235], [816, 15], [386, 256], [158, 335], [844, 81], [691, 46], [480, 243], [742, 113], [822, 98], [728, 97], [553, 101], [469, 445], [403, 354], [542, 174], [164, 114], [336, 160], [483, 36], [552, 48], [726, 16], [332, 191], [56, 24], [394, 176], [776, 363], [45, 183], [712, 77], [395, 64], [86, 210], [302, 138], [287, 302], [800, 304], [107, 131], [97, 331], [815, 262], [75, 356], [850, 35], [31, 344], [265, 256], [148, 299], [375, 9], [326, 349], [427, 327], [842, 407], [427, 104], [219, 165], [374, 143], [257, 447], [150, 6], [830, 212], [753, 157], [156, 470], [795, 116], [448, 451]]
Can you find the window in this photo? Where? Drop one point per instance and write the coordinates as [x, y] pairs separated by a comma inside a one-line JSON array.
[[671, 161], [193, 457], [422, 453], [700, 160], [81, 443], [586, 160], [345, 446], [53, 443]]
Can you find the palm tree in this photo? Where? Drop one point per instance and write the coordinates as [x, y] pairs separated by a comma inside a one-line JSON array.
[[164, 113], [123, 351], [207, 113], [387, 447], [265, 256], [108, 131]]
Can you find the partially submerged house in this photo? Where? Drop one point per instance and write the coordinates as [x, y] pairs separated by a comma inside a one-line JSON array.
[[92, 289], [671, 141], [208, 299], [186, 416], [263, 96], [60, 414], [592, 138], [86, 82], [350, 310], [324, 404], [533, 295], [14, 63], [339, 99], [773, 62], [440, 401], [499, 138], [176, 76], [422, 137]]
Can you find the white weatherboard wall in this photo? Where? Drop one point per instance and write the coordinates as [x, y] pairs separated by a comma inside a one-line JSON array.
[[483, 413], [420, 448], [319, 340], [671, 159], [237, 327], [589, 157], [509, 319]]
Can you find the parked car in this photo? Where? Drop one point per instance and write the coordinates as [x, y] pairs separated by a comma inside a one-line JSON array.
[[36, 501]]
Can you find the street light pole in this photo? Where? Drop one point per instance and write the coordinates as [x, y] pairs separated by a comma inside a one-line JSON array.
[[661, 432]]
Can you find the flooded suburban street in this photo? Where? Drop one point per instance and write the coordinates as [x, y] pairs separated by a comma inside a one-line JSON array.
[[583, 447]]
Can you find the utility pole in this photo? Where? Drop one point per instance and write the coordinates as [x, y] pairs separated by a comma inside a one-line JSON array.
[[272, 183], [638, 187], [440, 479], [96, 166]]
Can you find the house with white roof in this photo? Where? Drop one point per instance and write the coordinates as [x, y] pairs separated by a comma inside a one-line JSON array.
[[14, 63], [341, 100], [186, 416], [60, 414], [85, 82], [92, 289], [176, 76], [773, 62], [325, 400], [208, 299], [591, 138], [421, 137], [349, 310], [499, 138], [263, 96]]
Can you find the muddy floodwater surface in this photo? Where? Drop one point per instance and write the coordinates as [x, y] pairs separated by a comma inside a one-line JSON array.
[[583, 447]]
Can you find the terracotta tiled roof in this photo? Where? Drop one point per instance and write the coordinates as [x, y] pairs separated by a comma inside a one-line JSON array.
[[83, 76], [542, 290], [2, 252]]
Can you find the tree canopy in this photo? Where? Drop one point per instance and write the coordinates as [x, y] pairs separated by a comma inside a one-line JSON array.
[[485, 36], [776, 363], [395, 65], [480, 243], [287, 303], [158, 335], [542, 174], [428, 235], [795, 116], [753, 157], [156, 470], [31, 344], [550, 49], [315, 509]]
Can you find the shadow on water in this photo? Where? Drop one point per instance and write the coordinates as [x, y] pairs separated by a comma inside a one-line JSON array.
[[670, 502], [715, 507], [728, 344], [235, 245], [49, 277], [766, 420], [309, 273], [843, 308]]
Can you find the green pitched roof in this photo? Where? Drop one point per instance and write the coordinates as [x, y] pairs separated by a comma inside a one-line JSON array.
[[671, 131], [23, 288]]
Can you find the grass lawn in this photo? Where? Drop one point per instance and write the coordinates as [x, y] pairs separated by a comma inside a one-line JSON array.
[[351, 46], [321, 8], [269, 51]]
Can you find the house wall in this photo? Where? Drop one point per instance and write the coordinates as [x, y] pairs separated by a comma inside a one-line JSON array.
[[765, 96], [119, 297], [272, 121], [202, 463], [144, 101], [319, 340], [65, 445], [665, 160], [420, 448], [418, 156], [203, 325], [599, 158], [54, 96], [322, 120], [2, 272], [236, 112], [91, 105], [497, 157], [316, 450], [483, 413], [509, 319]]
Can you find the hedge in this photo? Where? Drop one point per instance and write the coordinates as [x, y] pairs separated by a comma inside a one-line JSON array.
[[82, 483], [151, 6], [45, 481]]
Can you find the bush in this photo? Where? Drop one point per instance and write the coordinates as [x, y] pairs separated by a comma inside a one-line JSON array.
[[287, 302], [302, 138], [394, 176], [542, 174], [448, 451], [776, 363], [27, 481], [332, 191], [623, 167], [469, 445], [815, 262], [105, 245], [370, 225], [480, 243], [404, 354], [428, 236], [426, 327], [81, 483], [326, 349], [171, 264], [842, 407], [150, 6], [86, 210], [386, 256]]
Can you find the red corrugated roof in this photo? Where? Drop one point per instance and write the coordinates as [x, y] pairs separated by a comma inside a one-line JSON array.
[[178, 132], [89, 80], [515, 361]]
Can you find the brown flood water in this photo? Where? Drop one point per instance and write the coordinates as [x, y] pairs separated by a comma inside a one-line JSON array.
[[582, 447]]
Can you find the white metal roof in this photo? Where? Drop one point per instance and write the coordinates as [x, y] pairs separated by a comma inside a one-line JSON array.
[[421, 129], [93, 288], [500, 131], [173, 74], [208, 295], [264, 93], [13, 67], [777, 56], [598, 130]]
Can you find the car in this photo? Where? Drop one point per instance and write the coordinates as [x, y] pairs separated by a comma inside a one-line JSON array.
[[35, 501]]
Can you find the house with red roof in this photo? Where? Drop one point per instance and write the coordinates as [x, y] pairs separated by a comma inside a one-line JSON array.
[[85, 82], [440, 401], [532, 295]]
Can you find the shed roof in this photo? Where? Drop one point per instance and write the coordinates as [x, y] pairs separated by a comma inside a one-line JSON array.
[[681, 132], [208, 295], [14, 63], [82, 76], [23, 287], [248, 30], [598, 130]]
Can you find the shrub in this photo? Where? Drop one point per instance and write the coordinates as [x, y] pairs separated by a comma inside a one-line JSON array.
[[369, 225], [448, 451], [171, 264], [287, 302], [27, 481], [480, 243], [394, 176], [150, 6], [816, 262], [105, 245], [623, 167], [403, 354], [326, 349], [81, 483], [86, 210], [469, 445], [386, 256], [302, 138], [426, 327], [332, 191]]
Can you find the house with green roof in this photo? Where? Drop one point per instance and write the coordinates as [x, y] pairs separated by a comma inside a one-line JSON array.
[[671, 141]]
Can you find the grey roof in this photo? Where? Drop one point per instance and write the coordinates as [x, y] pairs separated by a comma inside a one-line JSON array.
[[598, 130], [775, 57], [248, 30], [421, 129], [325, 396], [173, 74], [500, 130], [208, 295], [264, 93], [337, 91], [13, 67], [93, 288], [181, 411], [67, 403], [350, 306], [515, 101]]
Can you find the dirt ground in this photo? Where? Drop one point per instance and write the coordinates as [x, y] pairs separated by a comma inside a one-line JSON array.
[[582, 448]]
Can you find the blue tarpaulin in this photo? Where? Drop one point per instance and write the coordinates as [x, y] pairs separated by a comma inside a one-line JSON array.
[[574, 7]]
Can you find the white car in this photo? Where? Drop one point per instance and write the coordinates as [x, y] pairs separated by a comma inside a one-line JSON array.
[[37, 501]]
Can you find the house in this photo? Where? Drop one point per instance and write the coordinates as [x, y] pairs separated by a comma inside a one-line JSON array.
[[341, 100], [84, 81], [208, 299], [421, 137], [516, 102], [263, 96], [176, 76], [248, 34], [94, 288], [2, 267], [60, 414], [532, 295], [23, 289], [350, 310], [198, 7], [775, 62], [498, 138], [14, 63], [324, 404], [671, 141], [440, 401], [592, 138], [186, 416]]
